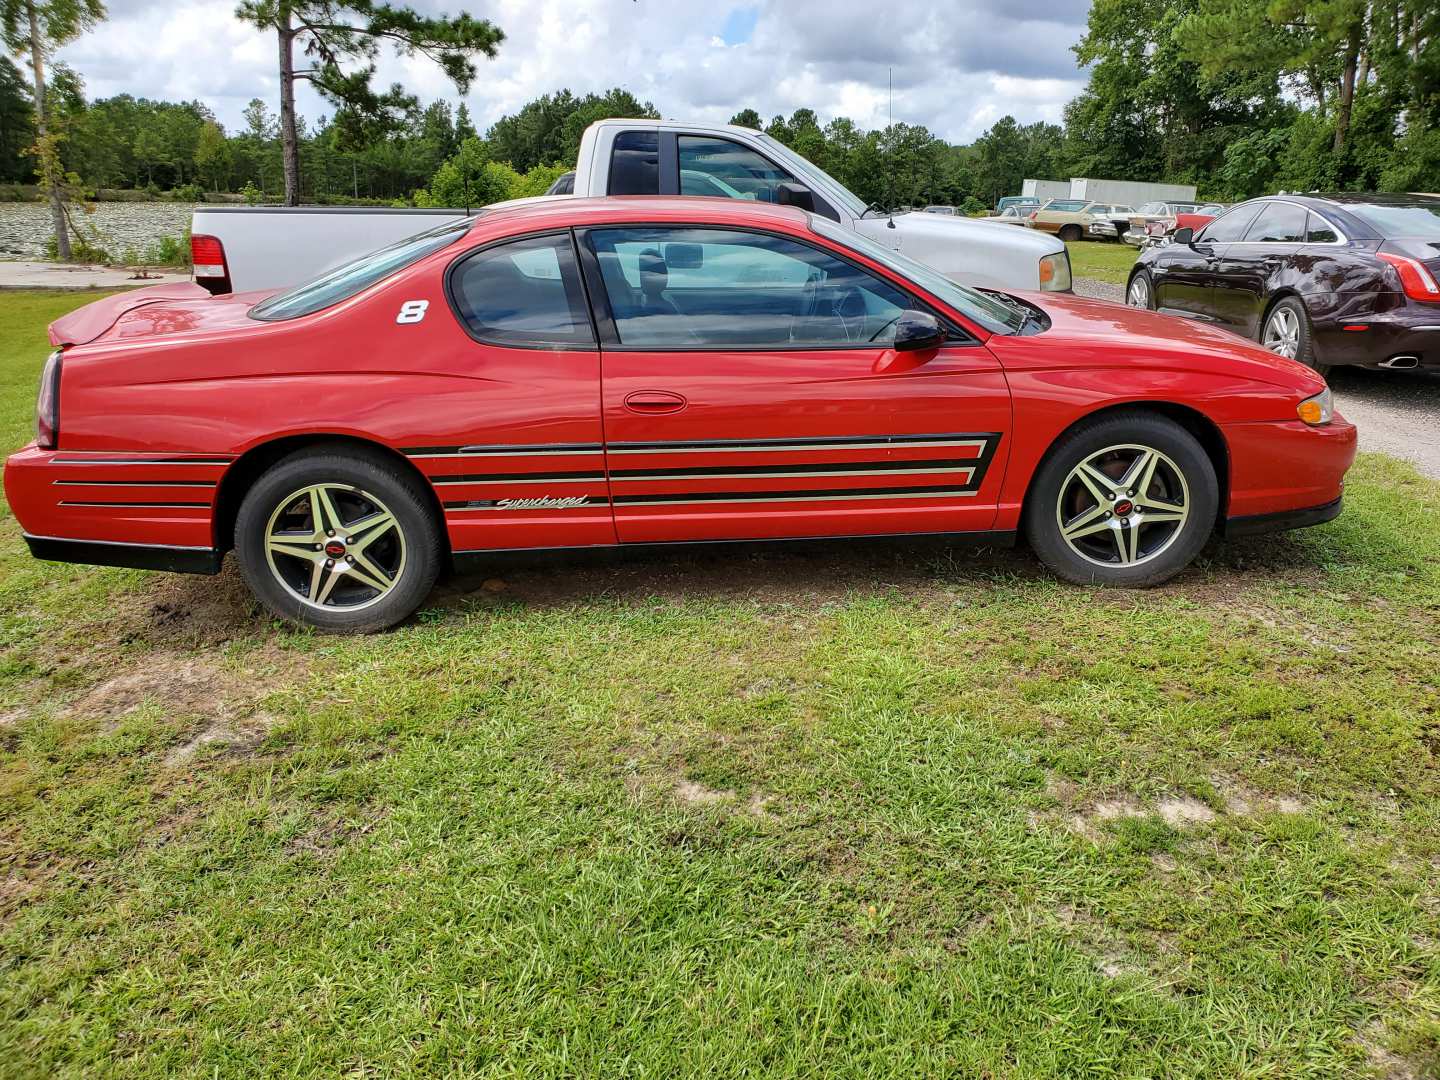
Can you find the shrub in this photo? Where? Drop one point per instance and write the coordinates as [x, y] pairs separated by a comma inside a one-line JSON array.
[[187, 193]]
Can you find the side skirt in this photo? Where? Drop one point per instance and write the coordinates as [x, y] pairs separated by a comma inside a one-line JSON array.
[[466, 560], [182, 560]]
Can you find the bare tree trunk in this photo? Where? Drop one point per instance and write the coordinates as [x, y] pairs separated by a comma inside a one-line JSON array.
[[289, 143], [42, 130], [1347, 90]]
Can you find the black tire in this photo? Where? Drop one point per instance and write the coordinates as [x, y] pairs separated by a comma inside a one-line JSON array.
[[1305, 351], [1140, 278], [1161, 552], [354, 478], [1070, 233]]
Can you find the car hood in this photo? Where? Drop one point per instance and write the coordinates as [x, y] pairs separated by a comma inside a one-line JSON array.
[[158, 311], [1098, 333], [963, 229]]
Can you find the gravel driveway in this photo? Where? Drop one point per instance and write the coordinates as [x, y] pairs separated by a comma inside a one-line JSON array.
[[1397, 412]]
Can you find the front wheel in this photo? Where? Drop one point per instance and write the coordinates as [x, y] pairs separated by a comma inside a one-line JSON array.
[[339, 539], [1287, 332], [1127, 500], [1141, 292]]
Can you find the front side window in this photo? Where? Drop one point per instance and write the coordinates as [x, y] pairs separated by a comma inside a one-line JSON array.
[[723, 168], [1231, 225], [688, 288], [353, 277], [635, 163], [1278, 223], [525, 293]]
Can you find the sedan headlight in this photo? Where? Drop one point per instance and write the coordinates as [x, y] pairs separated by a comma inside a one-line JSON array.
[[1055, 272], [1317, 410]]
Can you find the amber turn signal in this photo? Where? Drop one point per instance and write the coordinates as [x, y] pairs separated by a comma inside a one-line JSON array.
[[1316, 410]]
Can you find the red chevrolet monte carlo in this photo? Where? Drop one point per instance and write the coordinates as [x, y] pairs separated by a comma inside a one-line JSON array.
[[633, 371]]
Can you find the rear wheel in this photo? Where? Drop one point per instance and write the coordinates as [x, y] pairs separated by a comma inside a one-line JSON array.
[[1070, 233], [338, 539], [1287, 332], [1127, 500]]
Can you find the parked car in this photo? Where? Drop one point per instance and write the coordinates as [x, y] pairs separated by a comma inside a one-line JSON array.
[[1157, 229], [445, 397], [948, 211], [1075, 219], [243, 248], [1326, 280], [1011, 215], [1026, 202]]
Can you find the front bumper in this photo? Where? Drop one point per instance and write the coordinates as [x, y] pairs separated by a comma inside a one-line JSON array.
[[1102, 228], [1280, 520], [1285, 467]]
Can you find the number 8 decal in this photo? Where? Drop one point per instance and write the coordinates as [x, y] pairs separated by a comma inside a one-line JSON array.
[[412, 311]]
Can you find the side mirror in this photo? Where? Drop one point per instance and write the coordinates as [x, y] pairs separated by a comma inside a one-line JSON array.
[[796, 195], [917, 331], [1183, 236]]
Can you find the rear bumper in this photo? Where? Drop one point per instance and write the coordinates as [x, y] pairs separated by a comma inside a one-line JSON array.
[[1252, 524], [181, 560], [1412, 329]]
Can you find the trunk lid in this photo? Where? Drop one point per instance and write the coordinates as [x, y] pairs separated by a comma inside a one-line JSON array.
[[157, 311]]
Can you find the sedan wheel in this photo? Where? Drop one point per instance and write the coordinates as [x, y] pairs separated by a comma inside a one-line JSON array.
[[1282, 332], [1127, 499], [1122, 506], [330, 545], [1138, 295], [340, 538]]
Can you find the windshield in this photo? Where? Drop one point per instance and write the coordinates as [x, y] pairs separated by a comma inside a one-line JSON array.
[[1421, 221], [351, 278], [995, 315], [803, 168]]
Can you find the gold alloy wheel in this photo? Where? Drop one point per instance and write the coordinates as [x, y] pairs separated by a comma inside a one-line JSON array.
[[335, 546], [1123, 506]]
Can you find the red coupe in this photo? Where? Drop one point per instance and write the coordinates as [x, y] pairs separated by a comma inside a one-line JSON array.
[[634, 371]]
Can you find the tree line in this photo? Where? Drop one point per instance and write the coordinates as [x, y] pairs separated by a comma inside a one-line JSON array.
[[1235, 98]]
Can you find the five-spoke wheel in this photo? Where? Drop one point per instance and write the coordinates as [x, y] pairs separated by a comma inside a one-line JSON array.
[[1126, 499], [340, 538]]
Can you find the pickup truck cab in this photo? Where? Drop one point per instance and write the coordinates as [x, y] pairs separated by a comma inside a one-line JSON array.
[[664, 157], [240, 249]]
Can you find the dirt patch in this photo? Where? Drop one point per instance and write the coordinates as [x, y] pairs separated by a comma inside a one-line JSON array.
[[183, 610], [692, 794], [1183, 811]]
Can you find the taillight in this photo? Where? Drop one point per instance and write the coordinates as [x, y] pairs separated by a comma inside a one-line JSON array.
[[47, 404], [1415, 278], [207, 256], [1034, 214]]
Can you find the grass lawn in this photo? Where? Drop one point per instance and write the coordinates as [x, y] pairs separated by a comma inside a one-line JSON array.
[[1101, 260], [886, 809]]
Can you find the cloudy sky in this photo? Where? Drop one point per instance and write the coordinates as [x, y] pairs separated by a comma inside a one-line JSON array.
[[958, 66]]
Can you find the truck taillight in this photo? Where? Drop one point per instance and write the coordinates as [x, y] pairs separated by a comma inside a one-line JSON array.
[[1415, 278], [47, 404], [207, 256]]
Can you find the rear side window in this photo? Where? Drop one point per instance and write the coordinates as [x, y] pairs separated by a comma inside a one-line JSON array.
[[1231, 225], [350, 279], [1278, 223], [1320, 231], [1065, 205], [525, 293], [635, 163]]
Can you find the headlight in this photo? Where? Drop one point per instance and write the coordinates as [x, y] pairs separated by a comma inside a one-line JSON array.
[[1317, 410], [1055, 272], [47, 404]]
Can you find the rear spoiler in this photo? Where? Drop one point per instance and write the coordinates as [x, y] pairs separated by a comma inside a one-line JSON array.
[[89, 322]]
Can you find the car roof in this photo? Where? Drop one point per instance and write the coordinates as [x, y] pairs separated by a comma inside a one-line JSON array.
[[566, 211]]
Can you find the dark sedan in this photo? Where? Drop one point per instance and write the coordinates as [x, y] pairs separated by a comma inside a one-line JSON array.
[[1326, 280]]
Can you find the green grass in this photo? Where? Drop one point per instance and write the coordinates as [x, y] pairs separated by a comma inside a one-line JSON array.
[[1104, 261], [886, 809]]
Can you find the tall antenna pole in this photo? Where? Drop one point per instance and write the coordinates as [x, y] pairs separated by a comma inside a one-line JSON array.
[[890, 156]]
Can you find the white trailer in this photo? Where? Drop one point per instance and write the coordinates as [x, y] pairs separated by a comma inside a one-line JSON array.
[[1129, 193], [1045, 190]]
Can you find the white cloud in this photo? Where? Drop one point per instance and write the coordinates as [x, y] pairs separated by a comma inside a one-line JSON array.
[[956, 67]]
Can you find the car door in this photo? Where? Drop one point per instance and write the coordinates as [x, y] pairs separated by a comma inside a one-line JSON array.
[[1186, 273], [1253, 267], [516, 454], [748, 391]]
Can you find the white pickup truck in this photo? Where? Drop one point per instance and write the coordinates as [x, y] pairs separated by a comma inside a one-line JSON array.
[[237, 249]]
